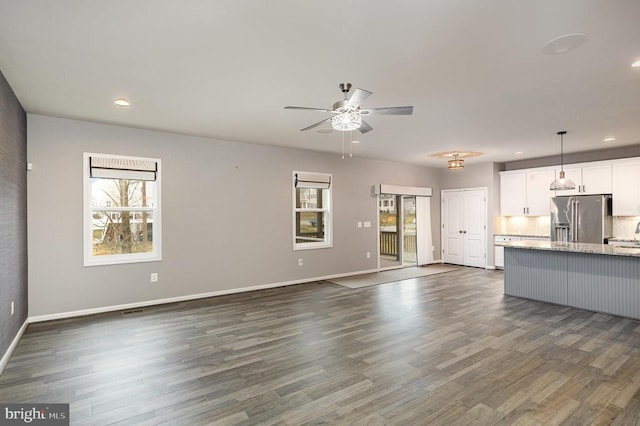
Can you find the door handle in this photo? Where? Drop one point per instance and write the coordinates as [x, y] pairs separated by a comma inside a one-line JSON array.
[[464, 232], [460, 232]]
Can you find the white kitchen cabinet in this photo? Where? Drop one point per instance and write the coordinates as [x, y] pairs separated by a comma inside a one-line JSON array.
[[538, 193], [526, 192], [589, 179], [498, 251], [626, 187], [513, 194]]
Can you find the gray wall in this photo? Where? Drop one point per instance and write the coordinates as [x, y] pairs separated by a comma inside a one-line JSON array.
[[576, 157], [226, 215], [13, 214], [478, 175]]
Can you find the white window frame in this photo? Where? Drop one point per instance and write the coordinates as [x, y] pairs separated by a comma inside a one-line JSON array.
[[326, 210], [91, 260]]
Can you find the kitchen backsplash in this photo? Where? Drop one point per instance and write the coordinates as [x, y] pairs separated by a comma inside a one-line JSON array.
[[623, 226], [525, 225]]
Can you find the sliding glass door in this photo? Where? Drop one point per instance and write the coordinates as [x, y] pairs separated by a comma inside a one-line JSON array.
[[398, 239], [390, 251], [409, 236]]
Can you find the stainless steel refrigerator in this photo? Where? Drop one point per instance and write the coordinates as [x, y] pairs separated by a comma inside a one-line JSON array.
[[581, 218]]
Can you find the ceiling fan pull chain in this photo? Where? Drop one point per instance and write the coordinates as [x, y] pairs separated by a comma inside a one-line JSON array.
[[350, 144], [342, 145]]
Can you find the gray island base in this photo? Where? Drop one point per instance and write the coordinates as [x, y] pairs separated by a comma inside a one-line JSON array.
[[596, 277]]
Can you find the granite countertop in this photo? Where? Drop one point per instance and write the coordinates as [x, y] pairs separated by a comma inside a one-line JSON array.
[[625, 240], [574, 247], [521, 235]]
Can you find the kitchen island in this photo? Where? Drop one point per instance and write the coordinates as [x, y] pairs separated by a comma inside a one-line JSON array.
[[596, 277]]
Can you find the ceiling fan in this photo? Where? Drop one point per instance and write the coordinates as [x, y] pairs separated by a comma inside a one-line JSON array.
[[347, 114]]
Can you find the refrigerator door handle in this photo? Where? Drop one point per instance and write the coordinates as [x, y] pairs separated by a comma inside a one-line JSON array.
[[576, 225]]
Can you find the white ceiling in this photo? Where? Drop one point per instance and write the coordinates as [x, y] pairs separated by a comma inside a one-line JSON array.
[[474, 70]]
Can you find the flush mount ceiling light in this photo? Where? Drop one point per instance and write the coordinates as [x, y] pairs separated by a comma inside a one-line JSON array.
[[562, 183], [609, 139], [636, 64], [122, 102], [456, 163], [564, 44], [346, 121]]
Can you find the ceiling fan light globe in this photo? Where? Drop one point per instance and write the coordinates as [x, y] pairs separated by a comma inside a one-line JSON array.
[[346, 121]]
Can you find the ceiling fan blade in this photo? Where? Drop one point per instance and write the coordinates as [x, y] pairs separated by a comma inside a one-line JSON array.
[[404, 110], [358, 97], [364, 127], [319, 123], [309, 109]]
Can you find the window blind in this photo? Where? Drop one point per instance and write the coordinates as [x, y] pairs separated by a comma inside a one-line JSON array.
[[312, 180], [122, 168]]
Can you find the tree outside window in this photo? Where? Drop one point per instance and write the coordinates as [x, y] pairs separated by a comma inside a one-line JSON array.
[[122, 215]]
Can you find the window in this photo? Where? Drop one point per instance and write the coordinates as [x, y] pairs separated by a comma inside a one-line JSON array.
[[121, 209], [311, 210]]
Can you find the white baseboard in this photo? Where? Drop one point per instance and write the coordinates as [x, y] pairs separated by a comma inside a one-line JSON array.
[[12, 346], [103, 309]]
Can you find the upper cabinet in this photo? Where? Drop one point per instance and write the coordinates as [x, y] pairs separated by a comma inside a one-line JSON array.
[[626, 187], [526, 192], [513, 193], [589, 179]]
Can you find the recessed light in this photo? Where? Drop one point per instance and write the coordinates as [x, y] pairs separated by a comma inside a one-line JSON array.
[[609, 139], [564, 44], [122, 102], [355, 141], [518, 152], [636, 64]]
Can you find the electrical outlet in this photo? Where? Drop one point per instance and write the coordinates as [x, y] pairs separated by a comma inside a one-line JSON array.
[[154, 277], [300, 262], [13, 308], [368, 255]]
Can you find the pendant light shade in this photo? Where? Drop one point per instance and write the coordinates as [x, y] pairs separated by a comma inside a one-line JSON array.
[[562, 183]]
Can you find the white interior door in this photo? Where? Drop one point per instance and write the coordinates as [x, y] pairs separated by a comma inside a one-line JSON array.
[[452, 241], [464, 227], [474, 233]]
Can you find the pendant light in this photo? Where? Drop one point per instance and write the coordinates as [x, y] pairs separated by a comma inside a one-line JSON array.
[[562, 183]]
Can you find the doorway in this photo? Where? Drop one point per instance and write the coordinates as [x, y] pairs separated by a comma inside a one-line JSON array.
[[398, 236]]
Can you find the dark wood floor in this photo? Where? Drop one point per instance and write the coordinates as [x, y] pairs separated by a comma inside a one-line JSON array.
[[443, 349]]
